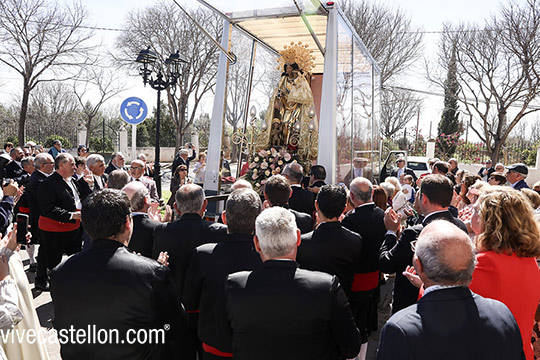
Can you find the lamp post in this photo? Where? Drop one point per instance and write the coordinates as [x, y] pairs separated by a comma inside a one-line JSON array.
[[148, 59]]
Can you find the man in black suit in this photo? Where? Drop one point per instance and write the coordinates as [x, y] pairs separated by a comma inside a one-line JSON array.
[[301, 199], [59, 201], [449, 321], [44, 167], [181, 237], [117, 162], [396, 254], [317, 176], [331, 248], [182, 157], [111, 288], [368, 221], [137, 174], [277, 192], [96, 164], [204, 291], [279, 311], [14, 170], [486, 171], [142, 239], [402, 169]]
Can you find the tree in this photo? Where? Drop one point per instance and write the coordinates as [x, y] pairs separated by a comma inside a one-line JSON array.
[[52, 109], [167, 30], [395, 45], [449, 124], [498, 68], [106, 82], [398, 107], [39, 39]]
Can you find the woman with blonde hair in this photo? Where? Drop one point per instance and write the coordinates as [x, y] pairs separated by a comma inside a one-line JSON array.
[[508, 244]]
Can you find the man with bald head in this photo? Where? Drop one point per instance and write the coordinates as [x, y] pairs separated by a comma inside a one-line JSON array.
[[137, 174], [367, 220], [301, 199], [449, 321]]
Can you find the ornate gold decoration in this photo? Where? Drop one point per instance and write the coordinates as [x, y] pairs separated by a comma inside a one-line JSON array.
[[297, 53]]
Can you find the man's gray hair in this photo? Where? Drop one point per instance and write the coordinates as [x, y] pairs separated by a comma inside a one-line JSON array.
[[363, 196], [41, 159], [137, 200], [27, 161], [93, 159], [62, 158], [117, 179], [241, 184], [189, 198], [141, 156], [276, 230], [242, 208], [446, 254], [294, 172]]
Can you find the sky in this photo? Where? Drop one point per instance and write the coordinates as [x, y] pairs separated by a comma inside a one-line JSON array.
[[426, 14]]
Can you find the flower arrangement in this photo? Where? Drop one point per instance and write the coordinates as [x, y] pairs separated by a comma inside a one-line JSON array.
[[266, 163]]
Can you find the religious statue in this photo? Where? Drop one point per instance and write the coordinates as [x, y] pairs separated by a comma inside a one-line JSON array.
[[288, 116]]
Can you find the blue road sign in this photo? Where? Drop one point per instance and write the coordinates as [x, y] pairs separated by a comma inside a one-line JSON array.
[[133, 110]]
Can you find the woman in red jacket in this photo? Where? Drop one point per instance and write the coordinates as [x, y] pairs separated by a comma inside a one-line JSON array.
[[508, 243]]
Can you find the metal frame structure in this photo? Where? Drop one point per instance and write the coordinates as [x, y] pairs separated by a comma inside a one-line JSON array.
[[329, 93]]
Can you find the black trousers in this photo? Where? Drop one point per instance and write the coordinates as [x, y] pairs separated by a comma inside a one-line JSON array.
[[41, 272], [57, 243]]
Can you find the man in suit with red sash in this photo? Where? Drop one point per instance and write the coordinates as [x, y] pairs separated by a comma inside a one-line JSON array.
[[59, 202]]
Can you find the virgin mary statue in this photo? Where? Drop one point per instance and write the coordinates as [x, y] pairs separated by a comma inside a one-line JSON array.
[[290, 120]]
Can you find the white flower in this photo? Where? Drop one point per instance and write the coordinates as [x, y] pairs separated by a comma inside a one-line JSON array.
[[273, 151], [254, 176], [287, 157], [264, 165], [267, 173]]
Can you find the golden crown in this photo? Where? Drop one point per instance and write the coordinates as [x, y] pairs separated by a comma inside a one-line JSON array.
[[297, 53]]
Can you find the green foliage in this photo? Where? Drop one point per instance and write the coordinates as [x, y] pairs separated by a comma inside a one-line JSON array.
[[14, 139], [449, 125], [167, 130], [418, 147], [66, 144], [98, 144]]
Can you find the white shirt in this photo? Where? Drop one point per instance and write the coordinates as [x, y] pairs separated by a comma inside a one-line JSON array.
[[78, 203]]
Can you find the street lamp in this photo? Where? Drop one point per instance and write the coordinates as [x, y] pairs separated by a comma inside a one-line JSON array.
[[147, 58]]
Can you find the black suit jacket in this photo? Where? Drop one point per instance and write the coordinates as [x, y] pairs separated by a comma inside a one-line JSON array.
[[396, 254], [31, 191], [367, 221], [302, 200], [180, 238], [281, 312], [110, 168], [304, 222], [204, 291], [452, 324], [142, 239], [112, 288], [408, 171], [334, 250], [179, 161], [17, 173], [55, 198]]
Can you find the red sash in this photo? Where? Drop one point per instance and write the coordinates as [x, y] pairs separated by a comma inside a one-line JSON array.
[[365, 281], [48, 224]]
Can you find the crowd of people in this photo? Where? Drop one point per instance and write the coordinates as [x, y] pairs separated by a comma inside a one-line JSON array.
[[293, 274]]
